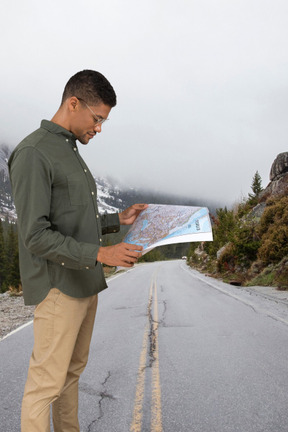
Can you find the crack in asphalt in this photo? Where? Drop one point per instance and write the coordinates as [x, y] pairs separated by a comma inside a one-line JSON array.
[[162, 322], [103, 395], [267, 296], [152, 335], [153, 330]]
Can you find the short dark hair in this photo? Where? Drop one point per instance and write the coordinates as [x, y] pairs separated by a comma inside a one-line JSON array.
[[90, 86]]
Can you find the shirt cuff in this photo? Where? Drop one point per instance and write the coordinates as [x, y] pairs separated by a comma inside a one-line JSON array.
[[110, 223]]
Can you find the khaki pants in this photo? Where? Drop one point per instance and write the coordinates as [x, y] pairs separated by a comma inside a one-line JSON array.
[[63, 328]]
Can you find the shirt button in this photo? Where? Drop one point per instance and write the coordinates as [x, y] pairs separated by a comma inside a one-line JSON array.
[[92, 193], [67, 140], [87, 268], [75, 148], [97, 216], [62, 264], [85, 170], [100, 240]]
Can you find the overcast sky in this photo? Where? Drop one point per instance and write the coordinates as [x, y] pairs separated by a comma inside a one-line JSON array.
[[202, 86]]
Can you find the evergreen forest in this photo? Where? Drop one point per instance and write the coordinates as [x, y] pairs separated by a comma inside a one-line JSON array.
[[9, 258]]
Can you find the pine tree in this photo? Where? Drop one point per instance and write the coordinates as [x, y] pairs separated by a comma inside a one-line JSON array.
[[13, 275], [256, 187]]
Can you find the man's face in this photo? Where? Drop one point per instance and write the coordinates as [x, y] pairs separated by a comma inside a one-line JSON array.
[[84, 125]]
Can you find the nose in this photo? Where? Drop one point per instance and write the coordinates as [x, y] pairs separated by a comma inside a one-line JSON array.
[[98, 128]]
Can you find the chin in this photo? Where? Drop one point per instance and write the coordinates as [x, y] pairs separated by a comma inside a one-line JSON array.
[[83, 140]]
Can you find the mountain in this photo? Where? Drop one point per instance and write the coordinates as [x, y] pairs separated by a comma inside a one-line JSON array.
[[7, 208], [111, 197]]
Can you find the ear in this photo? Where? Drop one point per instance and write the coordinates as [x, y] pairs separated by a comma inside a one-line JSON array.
[[73, 104]]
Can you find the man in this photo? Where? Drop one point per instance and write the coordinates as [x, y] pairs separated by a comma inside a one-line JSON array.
[[60, 235]]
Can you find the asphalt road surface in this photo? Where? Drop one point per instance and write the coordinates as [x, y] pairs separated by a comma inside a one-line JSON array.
[[172, 351]]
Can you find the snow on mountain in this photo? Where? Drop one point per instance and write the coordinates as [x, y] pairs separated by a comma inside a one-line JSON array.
[[4, 156], [108, 196], [7, 208]]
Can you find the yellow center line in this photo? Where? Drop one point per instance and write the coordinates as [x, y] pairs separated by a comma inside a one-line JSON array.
[[156, 411], [140, 387]]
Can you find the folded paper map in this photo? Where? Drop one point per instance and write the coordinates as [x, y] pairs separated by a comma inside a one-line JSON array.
[[160, 225]]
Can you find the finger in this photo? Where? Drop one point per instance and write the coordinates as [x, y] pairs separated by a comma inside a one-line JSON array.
[[133, 255], [140, 206], [134, 251], [126, 264], [131, 246]]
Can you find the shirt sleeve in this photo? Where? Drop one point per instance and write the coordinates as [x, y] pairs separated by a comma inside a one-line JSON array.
[[110, 223], [31, 177]]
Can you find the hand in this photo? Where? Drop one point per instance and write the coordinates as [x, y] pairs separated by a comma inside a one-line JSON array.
[[122, 254], [128, 216]]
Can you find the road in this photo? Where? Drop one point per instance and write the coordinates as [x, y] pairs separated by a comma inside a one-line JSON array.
[[172, 351]]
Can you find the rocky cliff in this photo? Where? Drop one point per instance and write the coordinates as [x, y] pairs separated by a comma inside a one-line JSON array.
[[278, 178]]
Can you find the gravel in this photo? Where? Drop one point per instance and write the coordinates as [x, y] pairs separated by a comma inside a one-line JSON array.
[[13, 313]]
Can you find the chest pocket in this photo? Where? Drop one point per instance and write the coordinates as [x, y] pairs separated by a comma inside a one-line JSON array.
[[79, 193]]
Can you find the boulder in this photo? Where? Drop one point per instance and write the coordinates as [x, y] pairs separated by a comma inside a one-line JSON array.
[[279, 166], [221, 250], [278, 178]]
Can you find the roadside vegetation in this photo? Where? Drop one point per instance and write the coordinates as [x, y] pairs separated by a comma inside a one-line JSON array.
[[250, 244], [9, 258]]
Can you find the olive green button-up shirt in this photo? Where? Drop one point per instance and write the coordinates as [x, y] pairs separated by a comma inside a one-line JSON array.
[[59, 227]]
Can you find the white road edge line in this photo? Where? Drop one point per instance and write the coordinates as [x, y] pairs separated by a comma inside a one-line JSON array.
[[30, 322], [121, 274], [271, 315], [16, 330]]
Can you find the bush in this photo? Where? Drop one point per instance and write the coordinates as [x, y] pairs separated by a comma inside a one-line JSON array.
[[275, 245], [242, 248], [274, 231], [223, 227], [246, 243], [281, 274]]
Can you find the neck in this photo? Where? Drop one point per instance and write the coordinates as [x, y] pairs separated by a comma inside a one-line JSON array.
[[60, 118]]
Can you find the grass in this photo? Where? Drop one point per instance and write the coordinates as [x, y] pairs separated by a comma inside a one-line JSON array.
[[265, 278]]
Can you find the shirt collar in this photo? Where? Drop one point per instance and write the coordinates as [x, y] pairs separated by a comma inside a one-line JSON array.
[[57, 129]]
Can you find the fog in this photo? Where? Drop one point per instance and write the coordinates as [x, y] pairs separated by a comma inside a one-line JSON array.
[[201, 86]]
